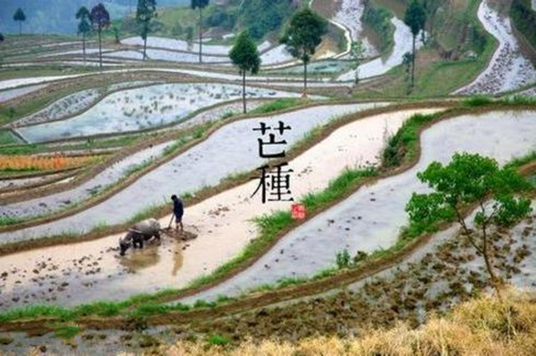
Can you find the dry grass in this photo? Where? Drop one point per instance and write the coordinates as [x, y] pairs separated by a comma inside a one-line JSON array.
[[41, 163], [479, 327]]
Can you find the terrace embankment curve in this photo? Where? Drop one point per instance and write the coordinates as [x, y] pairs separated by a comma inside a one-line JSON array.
[[373, 217], [181, 174], [223, 224]]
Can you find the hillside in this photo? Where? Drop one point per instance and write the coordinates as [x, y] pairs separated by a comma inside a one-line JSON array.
[[349, 182], [58, 15]]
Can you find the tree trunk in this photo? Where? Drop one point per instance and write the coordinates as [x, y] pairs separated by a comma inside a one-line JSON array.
[[200, 35], [84, 45], [413, 65], [487, 260], [20, 28], [244, 90], [100, 48], [145, 45], [304, 78]]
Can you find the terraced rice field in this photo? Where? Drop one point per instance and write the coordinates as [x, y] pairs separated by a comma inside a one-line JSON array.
[[87, 153]]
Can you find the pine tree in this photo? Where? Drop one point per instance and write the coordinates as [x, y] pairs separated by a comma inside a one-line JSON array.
[[200, 4], [415, 18], [100, 18], [84, 28], [20, 17], [145, 13], [245, 56], [303, 36], [357, 53]]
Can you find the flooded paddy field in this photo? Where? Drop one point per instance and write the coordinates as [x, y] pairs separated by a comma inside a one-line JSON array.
[[143, 108], [373, 217], [223, 224], [204, 161]]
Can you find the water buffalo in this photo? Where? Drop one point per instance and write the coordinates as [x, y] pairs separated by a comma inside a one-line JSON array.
[[138, 234]]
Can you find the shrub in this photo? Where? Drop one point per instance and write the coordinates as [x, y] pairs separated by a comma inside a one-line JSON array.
[[343, 259]]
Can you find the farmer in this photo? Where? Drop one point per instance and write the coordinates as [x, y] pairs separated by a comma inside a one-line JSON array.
[[178, 211]]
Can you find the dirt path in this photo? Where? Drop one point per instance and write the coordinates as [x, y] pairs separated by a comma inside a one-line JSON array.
[[373, 216]]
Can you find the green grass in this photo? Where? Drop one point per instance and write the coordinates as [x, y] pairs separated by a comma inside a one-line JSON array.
[[7, 138], [477, 101], [278, 105], [100, 226], [138, 167], [336, 188], [532, 181], [144, 214], [518, 100], [378, 19], [270, 226], [218, 340], [66, 332], [86, 145], [441, 77], [521, 161], [524, 19], [8, 220], [402, 146]]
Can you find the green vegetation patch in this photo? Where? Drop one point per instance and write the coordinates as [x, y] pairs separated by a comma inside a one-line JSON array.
[[524, 19], [279, 105], [378, 18], [7, 138]]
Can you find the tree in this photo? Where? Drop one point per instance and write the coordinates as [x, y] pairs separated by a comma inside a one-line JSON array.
[[190, 37], [200, 4], [145, 13], [100, 18], [20, 17], [302, 37], [357, 52], [470, 179], [84, 27], [415, 18], [245, 56], [407, 61], [1, 40]]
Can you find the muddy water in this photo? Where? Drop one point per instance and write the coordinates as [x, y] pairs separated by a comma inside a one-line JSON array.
[[143, 108], [223, 224], [15, 93], [111, 175], [178, 45], [203, 165], [373, 216], [522, 233], [23, 182]]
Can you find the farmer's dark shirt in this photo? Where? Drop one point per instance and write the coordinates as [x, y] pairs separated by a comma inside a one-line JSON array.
[[178, 208]]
